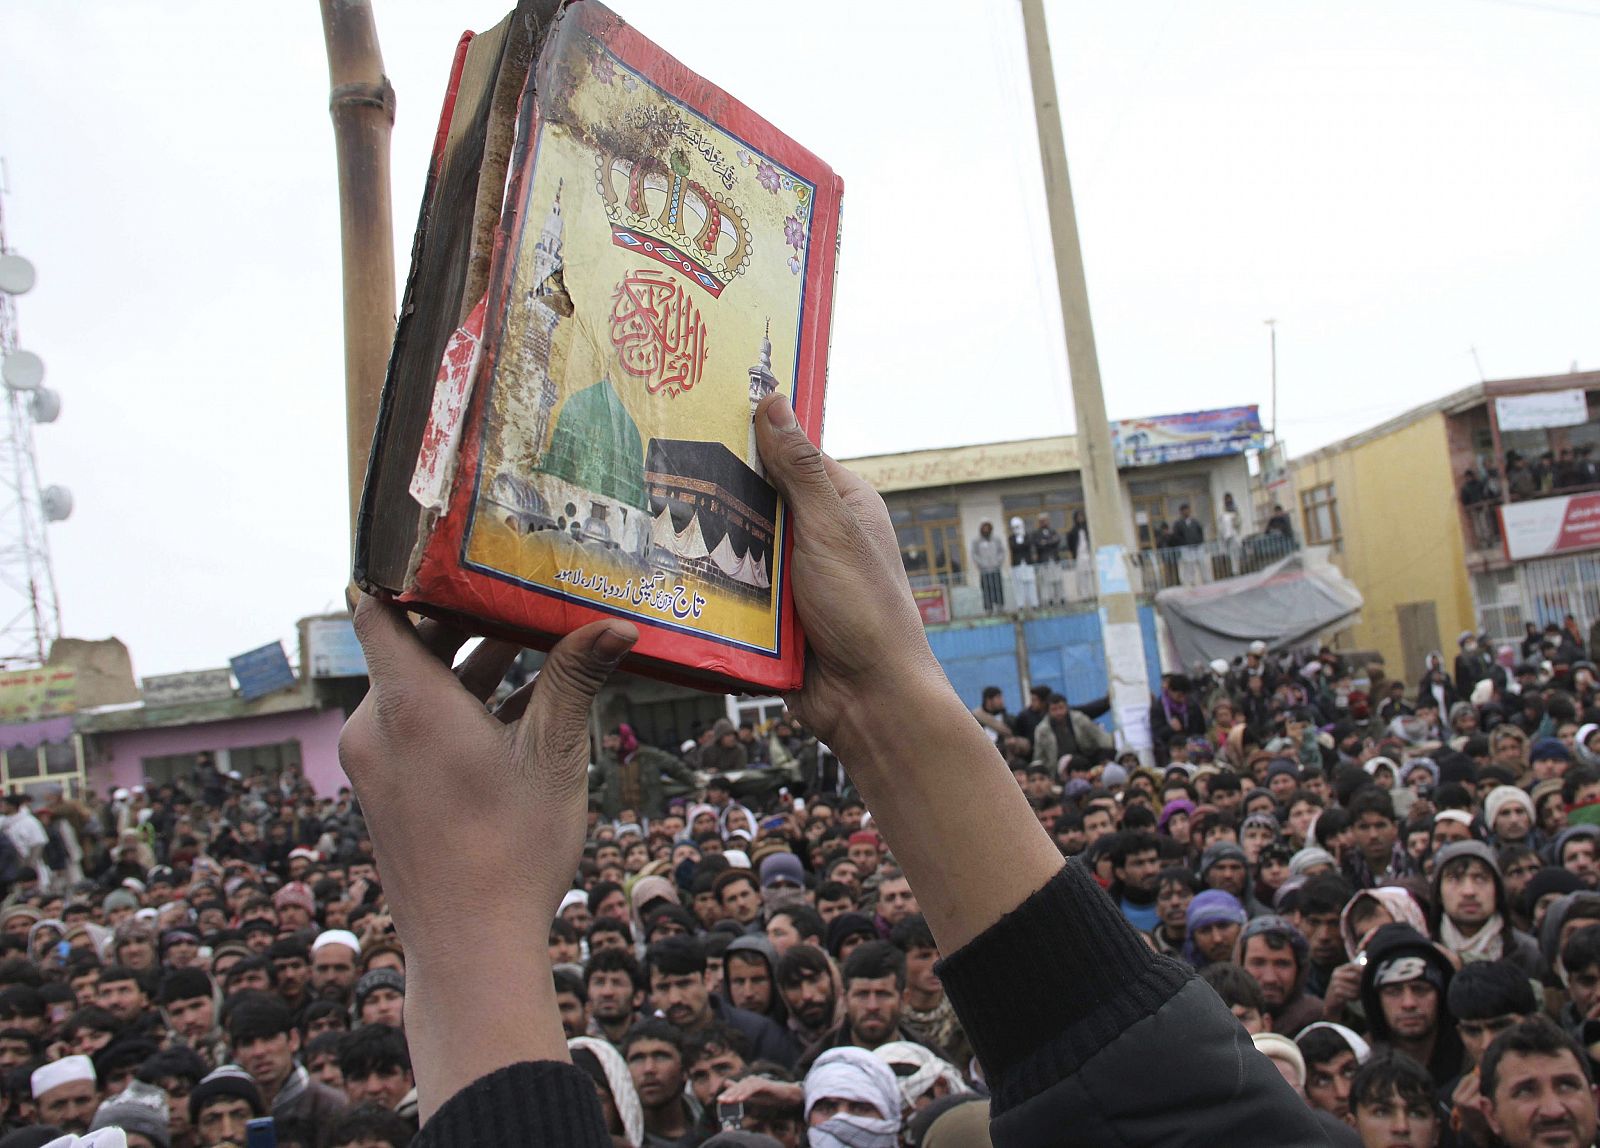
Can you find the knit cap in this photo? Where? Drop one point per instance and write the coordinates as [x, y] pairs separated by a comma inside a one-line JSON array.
[[229, 1080], [1501, 796], [1215, 906], [377, 979], [1309, 858]]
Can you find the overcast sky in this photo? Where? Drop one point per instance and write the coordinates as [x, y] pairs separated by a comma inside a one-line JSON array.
[[1395, 181]]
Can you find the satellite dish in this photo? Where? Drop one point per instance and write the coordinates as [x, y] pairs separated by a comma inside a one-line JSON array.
[[57, 503], [22, 370], [45, 405], [16, 275]]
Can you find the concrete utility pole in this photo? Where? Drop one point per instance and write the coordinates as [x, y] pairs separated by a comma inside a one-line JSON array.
[[361, 102], [1102, 493]]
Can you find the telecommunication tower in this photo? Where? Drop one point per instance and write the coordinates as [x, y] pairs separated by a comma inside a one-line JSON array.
[[30, 612]]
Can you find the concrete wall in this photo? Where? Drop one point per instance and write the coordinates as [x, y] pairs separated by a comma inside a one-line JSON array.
[[120, 756], [1400, 532]]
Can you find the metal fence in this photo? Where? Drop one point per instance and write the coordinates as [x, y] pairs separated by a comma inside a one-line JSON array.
[[1153, 570], [1044, 585], [1542, 591]]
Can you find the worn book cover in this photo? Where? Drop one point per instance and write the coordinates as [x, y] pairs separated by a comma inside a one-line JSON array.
[[665, 260]]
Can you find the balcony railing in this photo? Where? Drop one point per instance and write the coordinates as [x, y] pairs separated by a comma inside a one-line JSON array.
[[1152, 570], [1048, 585]]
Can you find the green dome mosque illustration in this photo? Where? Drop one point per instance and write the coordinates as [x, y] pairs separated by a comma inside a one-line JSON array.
[[596, 446]]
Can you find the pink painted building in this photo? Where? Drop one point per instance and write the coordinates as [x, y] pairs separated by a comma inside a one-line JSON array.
[[136, 745]]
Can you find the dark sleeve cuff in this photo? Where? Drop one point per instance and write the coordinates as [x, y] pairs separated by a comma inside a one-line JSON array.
[[1051, 983], [536, 1102]]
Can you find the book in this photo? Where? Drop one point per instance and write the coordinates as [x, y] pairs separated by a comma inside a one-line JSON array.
[[614, 263]]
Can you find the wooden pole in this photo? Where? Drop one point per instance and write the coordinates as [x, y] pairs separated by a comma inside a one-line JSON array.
[[1126, 673], [361, 102]]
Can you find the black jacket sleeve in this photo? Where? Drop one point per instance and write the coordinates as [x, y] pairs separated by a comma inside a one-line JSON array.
[[1087, 1037], [544, 1102]]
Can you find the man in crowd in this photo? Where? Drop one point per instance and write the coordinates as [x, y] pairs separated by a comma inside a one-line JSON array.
[[874, 980], [1403, 989], [926, 1012], [1135, 865], [1273, 951], [676, 973], [1538, 1088], [808, 981], [265, 1043], [653, 1050]]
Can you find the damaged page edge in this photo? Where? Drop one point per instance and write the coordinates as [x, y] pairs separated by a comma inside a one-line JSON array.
[[441, 438]]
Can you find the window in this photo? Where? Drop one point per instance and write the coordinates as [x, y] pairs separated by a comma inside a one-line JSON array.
[[1320, 510], [759, 710], [1058, 504], [1157, 503], [931, 547]]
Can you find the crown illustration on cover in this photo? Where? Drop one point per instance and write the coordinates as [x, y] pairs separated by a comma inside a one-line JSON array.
[[658, 210]]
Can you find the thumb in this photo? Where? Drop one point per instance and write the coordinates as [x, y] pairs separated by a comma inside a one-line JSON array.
[[556, 724], [794, 464]]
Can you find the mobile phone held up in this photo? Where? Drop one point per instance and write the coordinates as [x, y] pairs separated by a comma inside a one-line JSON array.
[[261, 1133]]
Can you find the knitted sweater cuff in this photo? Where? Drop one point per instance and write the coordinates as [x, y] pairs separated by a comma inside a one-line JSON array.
[[546, 1100], [1052, 982]]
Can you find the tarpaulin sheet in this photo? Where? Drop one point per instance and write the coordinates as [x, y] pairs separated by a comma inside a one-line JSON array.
[[1283, 605]]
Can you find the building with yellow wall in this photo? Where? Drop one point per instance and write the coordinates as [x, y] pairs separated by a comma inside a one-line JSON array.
[[1387, 504]]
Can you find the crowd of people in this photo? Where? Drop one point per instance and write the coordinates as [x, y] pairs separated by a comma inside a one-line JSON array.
[[1336, 910], [1047, 567], [179, 960], [1532, 476], [1379, 881], [1396, 891]]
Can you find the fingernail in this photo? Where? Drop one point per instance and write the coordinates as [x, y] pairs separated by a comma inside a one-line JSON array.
[[779, 413], [611, 645]]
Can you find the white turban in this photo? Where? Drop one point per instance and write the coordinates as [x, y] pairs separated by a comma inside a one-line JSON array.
[[104, 1138], [337, 937], [1376, 763], [928, 1070], [853, 1074], [620, 1082], [67, 1070]]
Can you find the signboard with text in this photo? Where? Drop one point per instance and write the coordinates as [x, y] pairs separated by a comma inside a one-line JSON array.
[[262, 671], [1542, 411], [332, 649], [1178, 438], [186, 688], [1551, 525], [28, 695]]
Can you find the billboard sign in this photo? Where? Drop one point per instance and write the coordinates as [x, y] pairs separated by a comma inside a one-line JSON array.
[[1542, 411], [28, 695], [1557, 525], [332, 649], [1179, 438], [262, 671]]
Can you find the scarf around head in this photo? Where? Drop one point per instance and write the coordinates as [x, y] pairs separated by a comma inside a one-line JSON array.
[[853, 1074], [1401, 906], [926, 1070], [620, 1083]]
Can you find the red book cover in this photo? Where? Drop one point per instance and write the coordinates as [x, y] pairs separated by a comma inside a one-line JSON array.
[[665, 260]]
